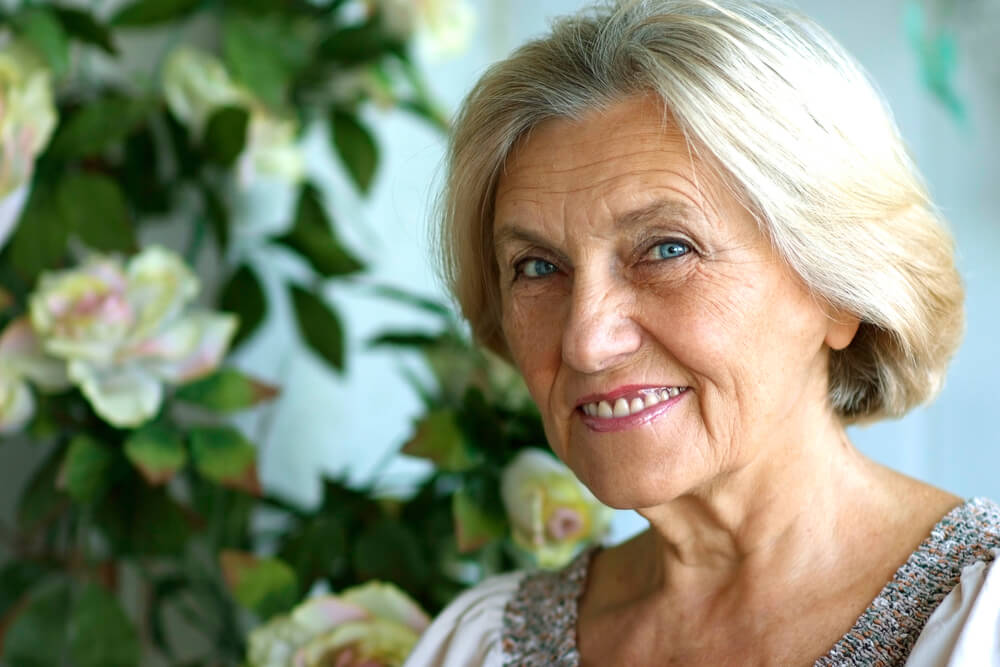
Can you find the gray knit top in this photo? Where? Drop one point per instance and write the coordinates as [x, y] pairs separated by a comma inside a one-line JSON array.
[[540, 620]]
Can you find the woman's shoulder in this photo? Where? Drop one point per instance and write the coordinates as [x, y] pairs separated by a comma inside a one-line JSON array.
[[469, 632], [962, 628], [969, 533]]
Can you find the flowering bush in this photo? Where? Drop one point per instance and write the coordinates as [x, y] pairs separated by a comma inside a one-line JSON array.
[[551, 513], [123, 330], [373, 625]]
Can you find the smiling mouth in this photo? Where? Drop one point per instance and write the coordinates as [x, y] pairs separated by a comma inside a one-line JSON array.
[[626, 406]]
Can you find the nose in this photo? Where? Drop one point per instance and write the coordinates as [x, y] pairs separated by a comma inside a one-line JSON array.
[[600, 332]]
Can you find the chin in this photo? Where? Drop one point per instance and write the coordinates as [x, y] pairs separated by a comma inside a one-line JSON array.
[[630, 491]]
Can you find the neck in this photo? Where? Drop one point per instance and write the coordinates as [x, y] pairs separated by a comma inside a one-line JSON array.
[[784, 511]]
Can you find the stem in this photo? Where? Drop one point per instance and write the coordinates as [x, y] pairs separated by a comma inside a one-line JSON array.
[[196, 240]]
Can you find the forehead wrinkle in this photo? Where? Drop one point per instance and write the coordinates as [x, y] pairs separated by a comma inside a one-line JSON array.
[[519, 163], [637, 217]]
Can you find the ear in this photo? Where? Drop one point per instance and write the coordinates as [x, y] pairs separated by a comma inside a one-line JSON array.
[[841, 329]]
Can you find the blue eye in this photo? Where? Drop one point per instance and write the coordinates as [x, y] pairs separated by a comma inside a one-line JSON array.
[[671, 249], [536, 268]]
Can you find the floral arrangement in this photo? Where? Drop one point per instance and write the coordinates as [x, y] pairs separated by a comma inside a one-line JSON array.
[[138, 537]]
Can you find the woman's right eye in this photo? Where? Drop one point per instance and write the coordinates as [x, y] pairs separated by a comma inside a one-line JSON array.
[[535, 268]]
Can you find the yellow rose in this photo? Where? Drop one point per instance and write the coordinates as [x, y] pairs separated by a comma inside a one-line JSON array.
[[22, 359], [196, 85], [27, 119], [373, 625], [551, 513], [123, 330]]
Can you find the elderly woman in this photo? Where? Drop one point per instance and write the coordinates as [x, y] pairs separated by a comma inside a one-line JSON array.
[[694, 229]]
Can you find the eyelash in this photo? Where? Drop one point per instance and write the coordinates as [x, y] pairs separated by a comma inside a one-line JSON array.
[[519, 266]]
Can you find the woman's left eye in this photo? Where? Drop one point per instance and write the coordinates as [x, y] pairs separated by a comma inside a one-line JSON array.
[[669, 250]]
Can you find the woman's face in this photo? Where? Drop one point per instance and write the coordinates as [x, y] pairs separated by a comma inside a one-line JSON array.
[[665, 342]]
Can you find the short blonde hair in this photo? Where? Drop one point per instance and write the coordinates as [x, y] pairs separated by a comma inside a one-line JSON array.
[[795, 129]]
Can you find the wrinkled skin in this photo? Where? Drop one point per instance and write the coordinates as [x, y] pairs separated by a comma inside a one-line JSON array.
[[721, 314]]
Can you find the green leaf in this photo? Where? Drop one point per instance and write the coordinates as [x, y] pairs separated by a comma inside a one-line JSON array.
[[86, 470], [243, 295], [161, 592], [188, 159], [81, 25], [100, 634], [265, 586], [389, 551], [157, 451], [319, 326], [37, 636], [261, 54], [39, 241], [94, 207], [937, 52], [227, 390], [356, 147], [312, 237], [218, 216], [16, 579], [223, 455], [439, 439], [40, 27], [151, 12], [95, 126], [474, 526], [41, 499], [319, 547], [226, 134], [138, 174], [418, 301], [356, 45], [140, 520], [411, 339]]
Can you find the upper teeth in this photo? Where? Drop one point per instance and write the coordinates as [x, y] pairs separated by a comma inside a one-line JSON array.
[[624, 407]]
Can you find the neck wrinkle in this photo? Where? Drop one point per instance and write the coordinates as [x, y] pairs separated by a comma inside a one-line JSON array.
[[781, 510]]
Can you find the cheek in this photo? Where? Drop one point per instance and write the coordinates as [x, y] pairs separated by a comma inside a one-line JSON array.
[[533, 331], [706, 317]]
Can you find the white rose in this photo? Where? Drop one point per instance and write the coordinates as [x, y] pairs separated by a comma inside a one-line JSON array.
[[196, 85], [22, 359], [441, 27], [124, 330], [27, 120], [373, 625], [551, 513]]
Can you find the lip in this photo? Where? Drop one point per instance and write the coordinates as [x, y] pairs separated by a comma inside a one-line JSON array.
[[612, 424]]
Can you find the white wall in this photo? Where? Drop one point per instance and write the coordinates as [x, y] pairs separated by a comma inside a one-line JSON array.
[[349, 424]]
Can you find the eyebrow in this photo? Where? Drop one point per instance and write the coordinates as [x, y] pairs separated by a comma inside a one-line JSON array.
[[661, 208]]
